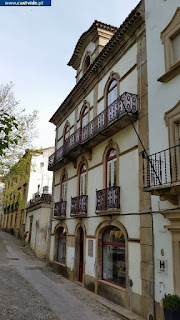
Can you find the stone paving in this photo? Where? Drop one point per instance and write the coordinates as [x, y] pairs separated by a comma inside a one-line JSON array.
[[29, 290]]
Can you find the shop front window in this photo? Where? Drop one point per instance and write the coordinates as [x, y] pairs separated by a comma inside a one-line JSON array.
[[114, 265]]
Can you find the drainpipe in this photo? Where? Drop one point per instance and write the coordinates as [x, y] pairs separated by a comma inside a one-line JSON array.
[[154, 307]]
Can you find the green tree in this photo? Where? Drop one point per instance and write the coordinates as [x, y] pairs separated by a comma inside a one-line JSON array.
[[17, 129]]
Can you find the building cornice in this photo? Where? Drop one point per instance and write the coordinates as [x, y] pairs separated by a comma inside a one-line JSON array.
[[126, 29]]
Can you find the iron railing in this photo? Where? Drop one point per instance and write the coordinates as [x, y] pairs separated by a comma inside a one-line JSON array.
[[108, 199], [16, 205], [44, 198], [126, 103], [60, 209], [162, 167], [79, 205]]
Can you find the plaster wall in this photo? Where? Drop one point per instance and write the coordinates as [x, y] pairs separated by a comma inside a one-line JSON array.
[[90, 261], [38, 242], [163, 241], [70, 257], [70, 119], [90, 47], [134, 266], [121, 67], [39, 175], [161, 98]]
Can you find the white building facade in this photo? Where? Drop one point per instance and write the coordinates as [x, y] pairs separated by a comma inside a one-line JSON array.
[[101, 231], [162, 173]]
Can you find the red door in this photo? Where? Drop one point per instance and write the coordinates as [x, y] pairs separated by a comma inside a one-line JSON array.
[[81, 251]]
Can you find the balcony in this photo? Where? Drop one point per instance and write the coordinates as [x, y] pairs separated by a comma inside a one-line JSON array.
[[12, 207], [44, 198], [79, 206], [161, 174], [60, 209], [16, 205], [104, 125], [108, 200]]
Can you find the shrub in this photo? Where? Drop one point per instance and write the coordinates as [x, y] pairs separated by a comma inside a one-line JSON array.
[[171, 302]]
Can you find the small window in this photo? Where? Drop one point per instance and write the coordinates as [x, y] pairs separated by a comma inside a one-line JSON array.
[[176, 47], [111, 169], [86, 63], [82, 183], [66, 132], [112, 92], [61, 248], [85, 117], [171, 40], [64, 188]]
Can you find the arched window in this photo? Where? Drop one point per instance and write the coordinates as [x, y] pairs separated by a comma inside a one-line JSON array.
[[84, 117], [112, 93], [86, 63], [63, 188], [113, 264], [66, 132], [61, 246], [111, 169], [82, 180]]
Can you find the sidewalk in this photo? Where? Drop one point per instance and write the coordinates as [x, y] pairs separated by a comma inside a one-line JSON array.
[[42, 288]]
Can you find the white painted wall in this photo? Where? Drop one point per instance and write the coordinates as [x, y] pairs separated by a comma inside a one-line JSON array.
[[161, 98], [40, 174], [90, 261]]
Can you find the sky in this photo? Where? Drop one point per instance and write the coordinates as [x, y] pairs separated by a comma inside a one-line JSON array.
[[36, 45]]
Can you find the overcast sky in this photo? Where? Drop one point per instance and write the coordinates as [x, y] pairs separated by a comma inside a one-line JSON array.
[[36, 45]]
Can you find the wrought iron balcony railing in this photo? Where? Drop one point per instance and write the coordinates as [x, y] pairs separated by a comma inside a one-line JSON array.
[[12, 207], [162, 168], [108, 199], [126, 103], [79, 205], [16, 205], [60, 209], [44, 198]]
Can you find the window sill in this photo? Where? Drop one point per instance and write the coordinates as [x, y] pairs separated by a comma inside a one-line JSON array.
[[110, 284], [59, 217], [78, 215], [172, 73], [108, 212]]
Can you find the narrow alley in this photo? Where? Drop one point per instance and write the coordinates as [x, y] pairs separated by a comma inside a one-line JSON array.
[[30, 290]]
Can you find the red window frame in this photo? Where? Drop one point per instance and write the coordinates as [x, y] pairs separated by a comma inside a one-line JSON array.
[[66, 131], [108, 158], [109, 90], [85, 112], [80, 173]]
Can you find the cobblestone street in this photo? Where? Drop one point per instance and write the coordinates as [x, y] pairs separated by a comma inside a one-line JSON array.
[[30, 290]]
